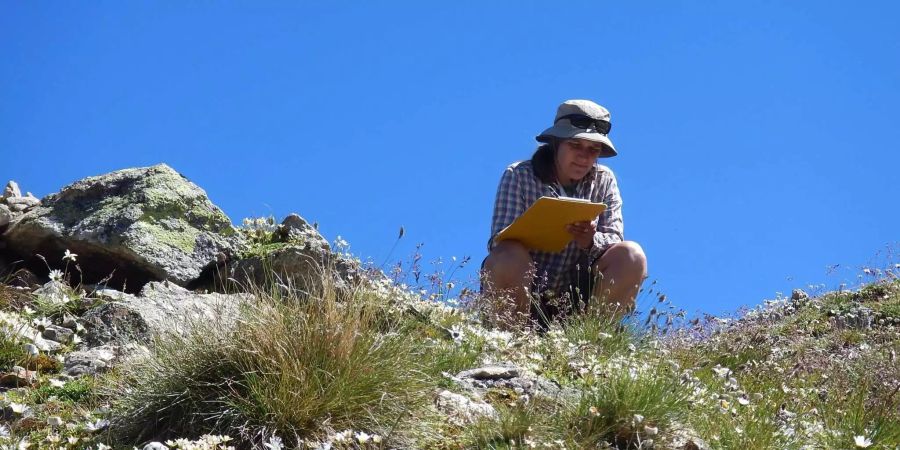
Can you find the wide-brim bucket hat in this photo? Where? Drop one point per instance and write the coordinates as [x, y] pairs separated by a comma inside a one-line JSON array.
[[581, 119]]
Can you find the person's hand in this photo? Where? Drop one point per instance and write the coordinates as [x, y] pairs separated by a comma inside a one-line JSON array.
[[583, 233]]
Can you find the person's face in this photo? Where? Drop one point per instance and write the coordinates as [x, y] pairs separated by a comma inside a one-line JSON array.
[[575, 158]]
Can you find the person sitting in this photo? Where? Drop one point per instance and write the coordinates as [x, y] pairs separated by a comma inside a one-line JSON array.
[[564, 165]]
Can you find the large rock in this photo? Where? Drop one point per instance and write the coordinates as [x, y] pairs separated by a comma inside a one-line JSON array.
[[115, 323], [299, 257], [161, 308], [137, 225]]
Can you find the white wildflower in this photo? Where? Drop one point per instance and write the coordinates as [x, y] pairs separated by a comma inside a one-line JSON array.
[[861, 441], [275, 443], [18, 408], [41, 323], [362, 437], [69, 256], [56, 275]]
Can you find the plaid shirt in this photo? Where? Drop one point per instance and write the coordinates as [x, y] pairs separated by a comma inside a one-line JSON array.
[[520, 188]]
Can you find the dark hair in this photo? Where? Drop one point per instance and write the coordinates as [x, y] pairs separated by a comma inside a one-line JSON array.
[[543, 162]]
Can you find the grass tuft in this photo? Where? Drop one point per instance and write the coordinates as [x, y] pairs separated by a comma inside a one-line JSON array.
[[299, 367]]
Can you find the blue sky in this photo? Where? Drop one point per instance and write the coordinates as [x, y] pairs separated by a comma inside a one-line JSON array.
[[757, 140]]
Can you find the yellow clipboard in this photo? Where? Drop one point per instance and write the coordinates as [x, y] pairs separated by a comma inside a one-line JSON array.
[[543, 225]]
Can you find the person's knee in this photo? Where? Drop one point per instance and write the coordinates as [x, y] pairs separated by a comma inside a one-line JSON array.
[[631, 254], [508, 260]]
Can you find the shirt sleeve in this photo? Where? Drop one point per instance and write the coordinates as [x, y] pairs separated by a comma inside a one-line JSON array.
[[610, 228], [509, 204]]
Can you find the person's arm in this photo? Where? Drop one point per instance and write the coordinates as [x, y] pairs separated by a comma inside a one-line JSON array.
[[509, 203], [610, 229]]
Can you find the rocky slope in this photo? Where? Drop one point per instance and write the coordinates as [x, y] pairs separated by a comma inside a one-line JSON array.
[[128, 300]]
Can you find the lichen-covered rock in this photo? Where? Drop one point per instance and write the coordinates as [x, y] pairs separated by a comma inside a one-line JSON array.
[[297, 230], [161, 308], [114, 322], [137, 225]]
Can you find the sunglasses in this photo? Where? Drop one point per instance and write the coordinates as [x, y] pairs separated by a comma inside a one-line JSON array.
[[588, 123]]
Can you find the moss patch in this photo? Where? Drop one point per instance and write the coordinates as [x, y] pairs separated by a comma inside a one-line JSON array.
[[183, 238]]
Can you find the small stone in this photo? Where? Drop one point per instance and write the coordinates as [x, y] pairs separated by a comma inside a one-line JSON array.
[[490, 373], [155, 446], [70, 322], [45, 345], [58, 334], [799, 294], [30, 349], [89, 362], [54, 421]]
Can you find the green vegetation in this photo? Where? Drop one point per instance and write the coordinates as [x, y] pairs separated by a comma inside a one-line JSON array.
[[292, 366], [365, 365]]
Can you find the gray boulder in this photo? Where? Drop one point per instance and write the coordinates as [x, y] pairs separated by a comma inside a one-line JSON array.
[[114, 322], [168, 308], [161, 308], [137, 225]]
